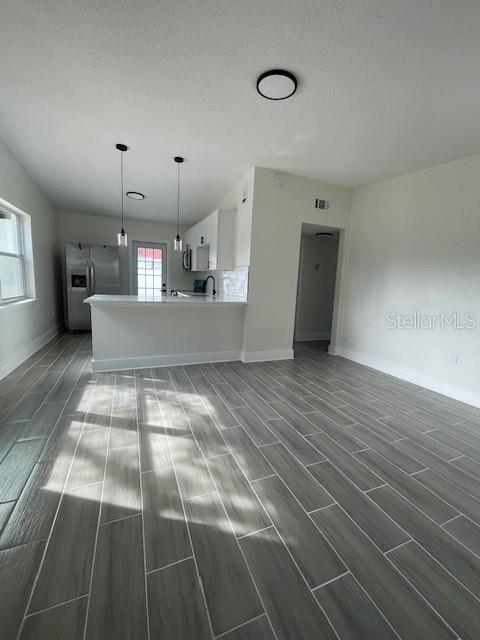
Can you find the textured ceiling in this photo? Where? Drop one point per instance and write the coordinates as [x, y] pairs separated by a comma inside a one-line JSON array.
[[385, 88]]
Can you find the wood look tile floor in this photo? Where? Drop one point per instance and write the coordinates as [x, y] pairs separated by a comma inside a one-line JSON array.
[[302, 499]]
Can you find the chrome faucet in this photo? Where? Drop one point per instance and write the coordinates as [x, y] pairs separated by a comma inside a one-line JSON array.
[[205, 285]]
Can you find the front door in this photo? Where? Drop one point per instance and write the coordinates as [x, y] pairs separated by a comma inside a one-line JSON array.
[[150, 268]]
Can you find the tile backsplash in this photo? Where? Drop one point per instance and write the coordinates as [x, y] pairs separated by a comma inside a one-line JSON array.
[[233, 282]]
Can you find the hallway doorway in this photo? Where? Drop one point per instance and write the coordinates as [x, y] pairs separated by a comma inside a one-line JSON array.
[[317, 273]]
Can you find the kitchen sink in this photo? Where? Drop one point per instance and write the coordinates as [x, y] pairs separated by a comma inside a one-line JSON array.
[[190, 294]]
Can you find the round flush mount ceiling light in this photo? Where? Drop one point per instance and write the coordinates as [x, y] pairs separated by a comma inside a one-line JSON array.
[[324, 234], [135, 195], [276, 84]]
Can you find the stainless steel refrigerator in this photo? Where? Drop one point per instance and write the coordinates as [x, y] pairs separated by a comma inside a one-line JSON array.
[[90, 269]]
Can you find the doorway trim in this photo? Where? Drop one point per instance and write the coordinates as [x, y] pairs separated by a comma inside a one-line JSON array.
[[340, 274], [340, 284]]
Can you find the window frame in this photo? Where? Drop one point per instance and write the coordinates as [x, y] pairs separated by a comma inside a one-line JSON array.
[[18, 256]]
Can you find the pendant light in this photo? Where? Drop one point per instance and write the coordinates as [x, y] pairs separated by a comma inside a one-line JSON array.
[[177, 244], [122, 239]]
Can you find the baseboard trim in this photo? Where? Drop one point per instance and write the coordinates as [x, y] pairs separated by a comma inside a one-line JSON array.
[[468, 396], [145, 362], [19, 357], [310, 337], [334, 351], [260, 356]]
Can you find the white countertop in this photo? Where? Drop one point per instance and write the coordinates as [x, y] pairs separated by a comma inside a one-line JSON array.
[[150, 301]]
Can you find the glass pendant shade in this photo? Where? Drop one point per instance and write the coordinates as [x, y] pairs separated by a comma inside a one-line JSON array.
[[177, 243], [122, 239]]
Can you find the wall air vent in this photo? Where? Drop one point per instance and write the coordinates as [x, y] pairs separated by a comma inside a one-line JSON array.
[[321, 204]]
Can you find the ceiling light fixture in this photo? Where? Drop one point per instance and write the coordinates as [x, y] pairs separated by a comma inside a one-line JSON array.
[[135, 195], [177, 244], [324, 234], [122, 239], [276, 84]]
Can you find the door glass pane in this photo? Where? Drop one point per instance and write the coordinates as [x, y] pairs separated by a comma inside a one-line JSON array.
[[150, 270], [9, 233], [11, 277]]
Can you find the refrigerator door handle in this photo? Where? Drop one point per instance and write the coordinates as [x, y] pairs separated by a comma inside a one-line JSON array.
[[88, 287], [92, 277]]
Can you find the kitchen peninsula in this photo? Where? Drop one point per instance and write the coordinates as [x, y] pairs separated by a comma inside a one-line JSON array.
[[130, 331]]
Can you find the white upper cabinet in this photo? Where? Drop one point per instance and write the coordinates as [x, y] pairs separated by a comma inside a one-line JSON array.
[[212, 241], [187, 239]]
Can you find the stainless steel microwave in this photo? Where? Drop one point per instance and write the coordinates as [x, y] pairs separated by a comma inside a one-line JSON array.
[[187, 259]]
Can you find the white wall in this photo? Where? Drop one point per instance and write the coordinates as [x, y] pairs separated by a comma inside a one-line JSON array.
[[415, 246], [77, 227], [278, 213], [316, 288], [243, 218], [24, 328]]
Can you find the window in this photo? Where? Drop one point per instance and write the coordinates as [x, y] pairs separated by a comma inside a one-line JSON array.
[[12, 257], [150, 268]]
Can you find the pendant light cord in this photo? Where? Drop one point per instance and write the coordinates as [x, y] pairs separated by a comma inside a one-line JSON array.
[[178, 199], [121, 182]]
